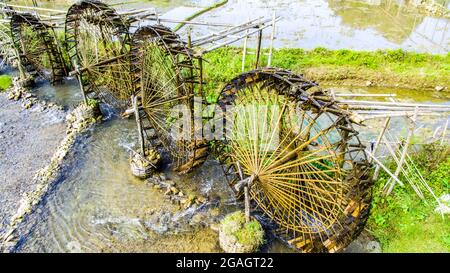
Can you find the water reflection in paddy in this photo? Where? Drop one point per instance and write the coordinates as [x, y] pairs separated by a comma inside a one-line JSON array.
[[359, 25]]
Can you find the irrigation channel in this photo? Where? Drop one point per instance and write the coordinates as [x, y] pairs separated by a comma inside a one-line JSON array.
[[97, 205]]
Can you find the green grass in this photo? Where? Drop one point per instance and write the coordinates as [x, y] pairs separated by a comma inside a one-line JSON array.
[[389, 67], [5, 82], [402, 222]]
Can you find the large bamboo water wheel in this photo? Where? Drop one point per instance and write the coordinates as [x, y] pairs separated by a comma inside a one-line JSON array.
[[166, 76], [97, 41], [37, 47], [299, 157]]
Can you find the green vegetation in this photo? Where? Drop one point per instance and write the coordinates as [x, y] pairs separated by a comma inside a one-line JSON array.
[[93, 102], [394, 68], [250, 233], [402, 222], [203, 11], [5, 82]]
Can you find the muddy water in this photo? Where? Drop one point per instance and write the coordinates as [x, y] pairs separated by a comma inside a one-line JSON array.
[[357, 24]]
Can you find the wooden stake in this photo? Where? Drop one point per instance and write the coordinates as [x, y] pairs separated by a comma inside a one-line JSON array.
[[258, 49]]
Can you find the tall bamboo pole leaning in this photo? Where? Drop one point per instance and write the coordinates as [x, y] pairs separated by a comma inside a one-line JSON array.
[[412, 126], [377, 144]]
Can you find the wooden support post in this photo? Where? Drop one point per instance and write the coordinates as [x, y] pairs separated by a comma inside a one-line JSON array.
[[191, 70], [139, 127], [247, 198], [258, 49], [404, 152], [80, 81]]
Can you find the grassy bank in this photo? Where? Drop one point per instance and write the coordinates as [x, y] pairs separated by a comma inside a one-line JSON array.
[[5, 82], [384, 68], [402, 222]]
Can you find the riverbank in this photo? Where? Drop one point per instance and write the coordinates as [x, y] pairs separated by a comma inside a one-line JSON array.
[[36, 143], [381, 68], [29, 135], [404, 223]]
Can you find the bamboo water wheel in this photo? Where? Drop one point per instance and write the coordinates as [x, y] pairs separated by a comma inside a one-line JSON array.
[[37, 47], [97, 41], [300, 158], [165, 78]]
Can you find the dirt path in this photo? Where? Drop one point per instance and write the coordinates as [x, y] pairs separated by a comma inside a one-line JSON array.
[[28, 139]]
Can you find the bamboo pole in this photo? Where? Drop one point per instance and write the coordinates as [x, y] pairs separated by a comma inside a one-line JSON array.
[[385, 103], [272, 37], [33, 8], [247, 204], [244, 51], [258, 24], [444, 132], [358, 95], [225, 31], [384, 168], [258, 49], [377, 144], [105, 62], [404, 152], [233, 40]]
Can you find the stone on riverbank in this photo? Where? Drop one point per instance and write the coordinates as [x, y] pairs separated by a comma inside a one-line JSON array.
[[143, 166]]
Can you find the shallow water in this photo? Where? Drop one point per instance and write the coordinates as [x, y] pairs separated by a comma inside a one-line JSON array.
[[99, 206], [334, 24]]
